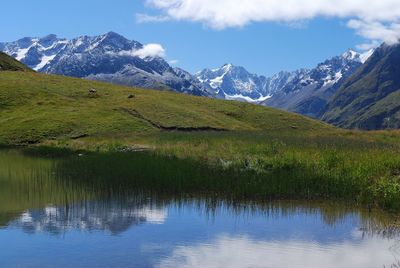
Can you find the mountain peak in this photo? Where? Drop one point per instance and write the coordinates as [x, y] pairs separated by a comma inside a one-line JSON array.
[[227, 66], [112, 34], [366, 55], [113, 37], [110, 41], [48, 40], [357, 56], [351, 55], [49, 36]]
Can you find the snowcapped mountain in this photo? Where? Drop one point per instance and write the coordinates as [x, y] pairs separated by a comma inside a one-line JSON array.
[[233, 83], [308, 91], [305, 91], [109, 57]]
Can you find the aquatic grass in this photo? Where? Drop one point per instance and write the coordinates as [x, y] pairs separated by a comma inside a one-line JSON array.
[[289, 176], [303, 166], [276, 165]]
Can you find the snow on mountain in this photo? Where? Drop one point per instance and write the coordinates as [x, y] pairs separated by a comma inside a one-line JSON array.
[[109, 57], [366, 55], [303, 91], [352, 55], [308, 91], [233, 83]]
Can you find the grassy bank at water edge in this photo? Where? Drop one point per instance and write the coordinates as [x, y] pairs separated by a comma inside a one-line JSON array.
[[270, 153]]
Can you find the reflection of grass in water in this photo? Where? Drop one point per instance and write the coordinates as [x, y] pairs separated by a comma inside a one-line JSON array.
[[27, 182]]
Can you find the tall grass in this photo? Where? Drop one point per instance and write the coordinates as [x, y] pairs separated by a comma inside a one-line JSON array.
[[242, 166], [342, 166]]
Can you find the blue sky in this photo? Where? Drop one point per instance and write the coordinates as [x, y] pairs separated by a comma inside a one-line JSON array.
[[263, 47]]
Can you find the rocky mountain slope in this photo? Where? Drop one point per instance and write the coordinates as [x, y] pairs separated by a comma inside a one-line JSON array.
[[370, 99], [308, 91]]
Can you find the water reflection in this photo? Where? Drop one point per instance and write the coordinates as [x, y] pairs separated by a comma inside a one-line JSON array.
[[64, 211], [242, 251], [112, 217]]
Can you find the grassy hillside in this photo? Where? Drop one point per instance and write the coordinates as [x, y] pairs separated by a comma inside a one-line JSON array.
[[8, 63], [270, 152], [370, 99], [36, 107]]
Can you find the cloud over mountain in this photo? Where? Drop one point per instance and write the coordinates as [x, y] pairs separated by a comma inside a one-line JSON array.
[[150, 50]]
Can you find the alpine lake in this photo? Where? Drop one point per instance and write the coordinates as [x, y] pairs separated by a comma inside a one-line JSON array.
[[140, 210]]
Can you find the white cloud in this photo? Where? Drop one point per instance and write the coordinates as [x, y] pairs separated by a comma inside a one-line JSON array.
[[244, 252], [374, 30], [173, 62], [143, 18], [149, 50], [376, 20]]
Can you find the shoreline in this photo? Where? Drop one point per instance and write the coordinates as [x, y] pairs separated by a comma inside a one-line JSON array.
[[286, 182]]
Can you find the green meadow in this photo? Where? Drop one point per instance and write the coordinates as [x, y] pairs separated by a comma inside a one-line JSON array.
[[227, 148]]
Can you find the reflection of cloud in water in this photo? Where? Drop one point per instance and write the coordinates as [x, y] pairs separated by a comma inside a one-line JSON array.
[[88, 216], [244, 252]]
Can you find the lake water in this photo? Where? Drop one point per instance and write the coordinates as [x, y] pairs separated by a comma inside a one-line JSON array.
[[59, 212]]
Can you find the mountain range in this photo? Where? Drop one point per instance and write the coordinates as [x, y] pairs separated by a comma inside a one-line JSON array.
[[323, 92], [304, 91], [308, 91], [109, 57]]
